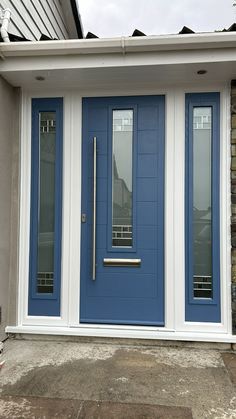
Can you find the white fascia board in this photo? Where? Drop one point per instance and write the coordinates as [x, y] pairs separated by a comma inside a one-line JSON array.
[[121, 45], [96, 61]]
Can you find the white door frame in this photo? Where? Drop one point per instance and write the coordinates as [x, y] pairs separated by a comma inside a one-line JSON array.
[[175, 325]]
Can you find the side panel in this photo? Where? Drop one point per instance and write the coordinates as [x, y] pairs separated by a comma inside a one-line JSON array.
[[45, 303], [202, 306]]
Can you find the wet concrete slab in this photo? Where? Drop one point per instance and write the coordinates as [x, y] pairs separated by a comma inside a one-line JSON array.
[[106, 410], [194, 379], [230, 363], [44, 408], [38, 408]]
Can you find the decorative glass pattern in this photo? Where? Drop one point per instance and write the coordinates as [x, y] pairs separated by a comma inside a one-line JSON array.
[[46, 215], [202, 205], [122, 181]]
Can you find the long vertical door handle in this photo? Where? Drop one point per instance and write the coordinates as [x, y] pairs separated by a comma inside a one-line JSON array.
[[94, 205]]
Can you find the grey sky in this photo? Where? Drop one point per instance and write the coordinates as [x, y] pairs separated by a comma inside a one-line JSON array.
[[108, 18]]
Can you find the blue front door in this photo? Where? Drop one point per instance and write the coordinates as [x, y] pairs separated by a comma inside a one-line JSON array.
[[122, 256]]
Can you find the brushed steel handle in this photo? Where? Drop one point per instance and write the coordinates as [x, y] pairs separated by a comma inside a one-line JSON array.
[[122, 262], [94, 205]]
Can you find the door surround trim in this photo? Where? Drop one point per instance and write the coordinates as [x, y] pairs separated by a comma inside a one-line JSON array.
[[71, 260]]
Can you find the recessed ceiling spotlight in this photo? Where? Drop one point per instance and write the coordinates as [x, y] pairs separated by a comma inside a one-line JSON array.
[[201, 72], [39, 78]]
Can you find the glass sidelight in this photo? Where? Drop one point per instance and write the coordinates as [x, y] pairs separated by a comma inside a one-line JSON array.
[[202, 202], [202, 236], [46, 215], [122, 180], [46, 207]]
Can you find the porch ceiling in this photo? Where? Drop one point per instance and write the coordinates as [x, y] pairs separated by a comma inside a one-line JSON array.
[[122, 76]]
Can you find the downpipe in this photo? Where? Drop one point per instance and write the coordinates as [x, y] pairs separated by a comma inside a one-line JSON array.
[[6, 15]]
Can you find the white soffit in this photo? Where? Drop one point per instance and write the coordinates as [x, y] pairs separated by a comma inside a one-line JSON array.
[[116, 77]]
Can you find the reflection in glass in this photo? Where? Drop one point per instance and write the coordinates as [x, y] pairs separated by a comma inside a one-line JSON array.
[[47, 143], [202, 211], [122, 178]]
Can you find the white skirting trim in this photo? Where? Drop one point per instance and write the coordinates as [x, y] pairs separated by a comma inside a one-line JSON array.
[[122, 333]]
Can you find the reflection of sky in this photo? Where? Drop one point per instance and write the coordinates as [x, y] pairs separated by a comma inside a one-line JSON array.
[[202, 164], [122, 145]]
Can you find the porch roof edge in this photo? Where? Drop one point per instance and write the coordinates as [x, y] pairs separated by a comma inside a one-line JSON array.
[[121, 45]]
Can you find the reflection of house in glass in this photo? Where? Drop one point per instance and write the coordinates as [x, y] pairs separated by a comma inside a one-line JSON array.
[[122, 206], [202, 213], [122, 211], [202, 253], [45, 274]]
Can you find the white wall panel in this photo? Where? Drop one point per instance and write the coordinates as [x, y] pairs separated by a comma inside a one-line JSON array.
[[32, 18], [59, 21]]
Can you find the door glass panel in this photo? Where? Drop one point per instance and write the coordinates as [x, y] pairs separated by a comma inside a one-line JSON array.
[[202, 205], [122, 205], [46, 217]]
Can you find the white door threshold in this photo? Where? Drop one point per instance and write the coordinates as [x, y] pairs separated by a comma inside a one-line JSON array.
[[123, 333]]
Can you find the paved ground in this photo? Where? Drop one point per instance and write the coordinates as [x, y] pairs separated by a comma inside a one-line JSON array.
[[47, 380]]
